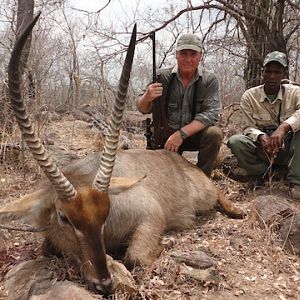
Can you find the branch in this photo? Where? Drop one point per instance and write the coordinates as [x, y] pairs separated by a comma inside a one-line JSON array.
[[234, 109], [287, 37], [25, 229], [96, 12], [216, 22], [293, 5], [236, 13]]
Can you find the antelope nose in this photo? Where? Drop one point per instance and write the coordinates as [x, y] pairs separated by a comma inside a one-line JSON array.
[[105, 286]]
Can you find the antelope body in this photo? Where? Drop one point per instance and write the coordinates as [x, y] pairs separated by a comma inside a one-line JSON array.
[[173, 192], [170, 196], [81, 216]]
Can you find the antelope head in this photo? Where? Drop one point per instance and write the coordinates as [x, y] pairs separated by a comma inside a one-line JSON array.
[[78, 214]]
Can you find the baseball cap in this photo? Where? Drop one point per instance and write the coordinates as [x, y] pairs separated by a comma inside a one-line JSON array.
[[189, 41], [277, 57]]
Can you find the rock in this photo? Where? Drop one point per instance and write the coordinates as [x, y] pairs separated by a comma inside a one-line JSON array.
[[65, 290], [272, 210], [80, 115], [122, 278], [207, 276], [196, 259], [290, 233], [28, 278], [35, 280], [199, 266]]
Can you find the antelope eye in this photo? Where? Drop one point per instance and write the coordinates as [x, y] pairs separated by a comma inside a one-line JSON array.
[[63, 219]]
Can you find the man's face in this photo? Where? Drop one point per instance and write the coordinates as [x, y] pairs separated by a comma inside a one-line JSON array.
[[188, 60], [273, 73]]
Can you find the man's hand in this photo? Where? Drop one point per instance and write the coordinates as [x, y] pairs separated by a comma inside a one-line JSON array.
[[272, 144], [264, 140], [153, 91], [173, 142], [277, 137]]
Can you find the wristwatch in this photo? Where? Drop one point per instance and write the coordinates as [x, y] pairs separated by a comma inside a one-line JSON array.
[[183, 134]]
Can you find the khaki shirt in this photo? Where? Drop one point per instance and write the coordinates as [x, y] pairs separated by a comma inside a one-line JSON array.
[[258, 112]]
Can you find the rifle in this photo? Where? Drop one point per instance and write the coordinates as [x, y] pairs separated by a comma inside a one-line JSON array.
[[157, 131]]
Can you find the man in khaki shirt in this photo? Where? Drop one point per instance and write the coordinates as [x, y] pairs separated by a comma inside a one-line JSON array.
[[271, 123]]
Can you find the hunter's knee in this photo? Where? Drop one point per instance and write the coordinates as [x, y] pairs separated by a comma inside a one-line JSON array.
[[214, 134], [235, 141]]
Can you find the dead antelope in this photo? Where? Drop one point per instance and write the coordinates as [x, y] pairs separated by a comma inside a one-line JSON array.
[[84, 210]]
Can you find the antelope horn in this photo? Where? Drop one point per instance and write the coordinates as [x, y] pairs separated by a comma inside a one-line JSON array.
[[104, 173], [63, 187]]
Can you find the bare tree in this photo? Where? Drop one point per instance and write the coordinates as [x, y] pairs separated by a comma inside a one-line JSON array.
[[260, 26], [237, 30], [69, 27], [76, 55]]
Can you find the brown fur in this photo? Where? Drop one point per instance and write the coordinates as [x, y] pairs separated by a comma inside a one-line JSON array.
[[166, 194]]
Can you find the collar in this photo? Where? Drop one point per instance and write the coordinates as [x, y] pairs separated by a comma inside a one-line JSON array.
[[196, 76], [263, 96]]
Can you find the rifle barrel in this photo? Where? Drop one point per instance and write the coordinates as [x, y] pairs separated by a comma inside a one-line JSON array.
[[152, 36]]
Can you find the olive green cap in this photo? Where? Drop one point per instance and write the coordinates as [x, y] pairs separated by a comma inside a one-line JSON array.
[[190, 42]]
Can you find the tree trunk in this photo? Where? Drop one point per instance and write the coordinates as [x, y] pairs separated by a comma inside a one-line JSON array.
[[24, 16], [263, 37]]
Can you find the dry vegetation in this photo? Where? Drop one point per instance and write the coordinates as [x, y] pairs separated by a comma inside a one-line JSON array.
[[249, 260]]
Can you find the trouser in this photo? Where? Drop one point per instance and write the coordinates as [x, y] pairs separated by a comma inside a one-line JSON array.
[[252, 158], [208, 143]]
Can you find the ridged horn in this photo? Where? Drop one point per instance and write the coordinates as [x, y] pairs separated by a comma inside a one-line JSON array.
[[63, 187], [104, 173]]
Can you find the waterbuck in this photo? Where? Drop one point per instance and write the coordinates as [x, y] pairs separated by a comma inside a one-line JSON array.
[[112, 199]]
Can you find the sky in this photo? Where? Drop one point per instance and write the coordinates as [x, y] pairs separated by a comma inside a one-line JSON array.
[[115, 6], [123, 10], [96, 4]]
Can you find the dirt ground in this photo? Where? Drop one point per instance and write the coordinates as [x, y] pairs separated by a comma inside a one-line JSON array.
[[250, 261]]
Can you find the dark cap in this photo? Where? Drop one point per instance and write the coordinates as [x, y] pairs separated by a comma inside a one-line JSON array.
[[189, 41], [277, 57]]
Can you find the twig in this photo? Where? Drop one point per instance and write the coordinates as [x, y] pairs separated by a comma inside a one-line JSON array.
[[24, 229], [271, 157], [289, 231]]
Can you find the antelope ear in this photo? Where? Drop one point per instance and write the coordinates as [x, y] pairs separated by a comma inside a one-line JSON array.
[[34, 208], [120, 184]]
